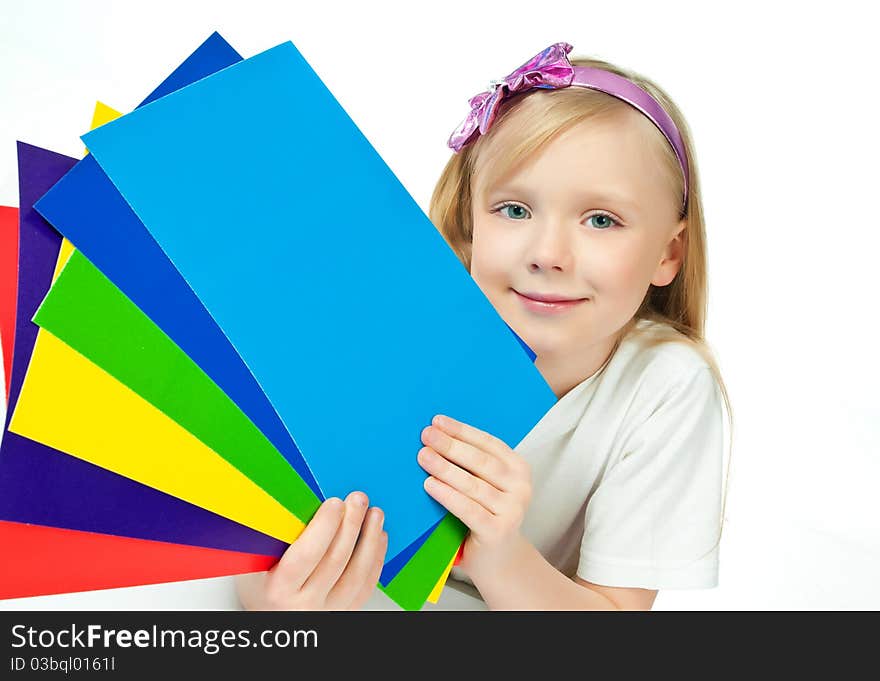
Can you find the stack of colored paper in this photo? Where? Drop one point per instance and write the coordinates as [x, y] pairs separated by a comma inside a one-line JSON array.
[[247, 314]]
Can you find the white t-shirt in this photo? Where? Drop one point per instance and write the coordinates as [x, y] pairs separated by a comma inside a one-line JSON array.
[[627, 475]]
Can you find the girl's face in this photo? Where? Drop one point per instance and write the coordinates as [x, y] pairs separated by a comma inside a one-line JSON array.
[[590, 219]]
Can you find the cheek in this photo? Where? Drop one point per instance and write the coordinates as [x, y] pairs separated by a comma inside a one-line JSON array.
[[490, 258], [621, 272]]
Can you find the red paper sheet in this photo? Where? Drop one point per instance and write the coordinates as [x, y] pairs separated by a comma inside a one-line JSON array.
[[39, 560], [8, 286]]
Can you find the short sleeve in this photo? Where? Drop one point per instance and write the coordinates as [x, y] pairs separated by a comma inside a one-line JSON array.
[[654, 520]]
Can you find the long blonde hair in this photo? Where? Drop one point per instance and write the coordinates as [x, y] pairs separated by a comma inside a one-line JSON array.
[[543, 114]]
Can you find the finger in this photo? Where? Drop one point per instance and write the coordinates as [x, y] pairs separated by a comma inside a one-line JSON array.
[[470, 435], [362, 562], [336, 558], [468, 484], [303, 556], [370, 583], [472, 514], [484, 464]]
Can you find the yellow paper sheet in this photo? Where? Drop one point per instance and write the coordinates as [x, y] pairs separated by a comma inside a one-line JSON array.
[[435, 594], [63, 256], [103, 114], [74, 406], [70, 404], [131, 437]]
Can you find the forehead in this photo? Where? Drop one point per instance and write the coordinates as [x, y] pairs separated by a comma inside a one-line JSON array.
[[619, 155]]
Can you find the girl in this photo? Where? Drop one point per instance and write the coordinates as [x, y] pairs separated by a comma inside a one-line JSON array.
[[573, 201]]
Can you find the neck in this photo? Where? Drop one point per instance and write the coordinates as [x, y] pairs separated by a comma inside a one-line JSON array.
[[564, 371]]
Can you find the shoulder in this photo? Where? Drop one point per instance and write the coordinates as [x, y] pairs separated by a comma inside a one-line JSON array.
[[662, 347], [658, 353], [655, 371], [655, 365]]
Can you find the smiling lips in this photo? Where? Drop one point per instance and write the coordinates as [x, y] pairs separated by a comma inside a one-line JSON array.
[[544, 303]]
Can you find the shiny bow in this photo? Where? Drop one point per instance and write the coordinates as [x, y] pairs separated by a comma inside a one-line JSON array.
[[549, 69]]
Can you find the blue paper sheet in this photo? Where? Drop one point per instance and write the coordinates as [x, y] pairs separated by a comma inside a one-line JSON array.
[[342, 298], [87, 209]]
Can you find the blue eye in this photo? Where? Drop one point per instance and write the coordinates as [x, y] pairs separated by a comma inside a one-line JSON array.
[[513, 211], [602, 221], [605, 221]]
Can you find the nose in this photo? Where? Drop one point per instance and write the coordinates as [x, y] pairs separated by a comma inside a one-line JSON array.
[[551, 248]]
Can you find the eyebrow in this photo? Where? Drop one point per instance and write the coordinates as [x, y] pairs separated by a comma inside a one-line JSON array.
[[601, 197], [616, 199]]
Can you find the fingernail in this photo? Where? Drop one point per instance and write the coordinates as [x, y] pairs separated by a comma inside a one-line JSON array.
[[334, 503], [378, 517], [357, 498]]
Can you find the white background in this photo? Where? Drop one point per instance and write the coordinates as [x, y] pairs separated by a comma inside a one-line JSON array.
[[781, 99]]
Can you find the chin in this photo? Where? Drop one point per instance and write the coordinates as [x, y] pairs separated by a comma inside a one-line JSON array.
[[539, 343]]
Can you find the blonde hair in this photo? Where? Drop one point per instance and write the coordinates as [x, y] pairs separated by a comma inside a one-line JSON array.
[[540, 116]]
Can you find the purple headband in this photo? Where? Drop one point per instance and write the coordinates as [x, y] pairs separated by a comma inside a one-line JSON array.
[[551, 70]]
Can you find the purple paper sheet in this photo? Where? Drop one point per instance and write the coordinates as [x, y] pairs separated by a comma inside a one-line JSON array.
[[43, 486]]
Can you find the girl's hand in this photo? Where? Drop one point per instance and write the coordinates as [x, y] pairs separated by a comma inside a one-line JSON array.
[[483, 482], [333, 565]]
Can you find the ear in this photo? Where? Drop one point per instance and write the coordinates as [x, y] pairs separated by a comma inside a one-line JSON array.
[[673, 256]]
